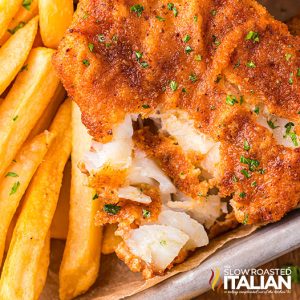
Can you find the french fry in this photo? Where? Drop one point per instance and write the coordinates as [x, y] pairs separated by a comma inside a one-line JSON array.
[[60, 223], [55, 18], [14, 53], [8, 8], [25, 104], [49, 113], [43, 269], [20, 19], [21, 267], [18, 176], [79, 269], [110, 240]]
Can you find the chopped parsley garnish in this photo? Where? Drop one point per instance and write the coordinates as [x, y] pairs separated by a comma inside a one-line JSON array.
[[291, 133], [288, 56], [246, 145], [161, 19], [188, 49], [256, 110], [218, 79], [107, 45], [245, 173], [193, 77], [144, 64], [138, 55], [145, 106], [234, 178], [173, 85], [111, 209], [198, 57], [254, 183], [213, 12], [15, 118], [163, 242], [14, 188], [146, 214], [91, 47], [85, 15], [298, 72], [215, 40], [184, 90], [271, 124], [291, 80], [186, 38], [231, 100], [251, 64], [261, 171], [96, 196], [101, 38], [26, 4], [11, 174], [243, 195], [245, 221], [253, 36], [138, 9], [252, 163], [19, 26], [172, 7], [195, 19], [86, 62]]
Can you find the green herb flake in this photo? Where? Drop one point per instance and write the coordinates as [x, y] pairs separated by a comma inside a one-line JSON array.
[[161, 19], [26, 4], [138, 55], [145, 106], [146, 214], [85, 15], [184, 90], [271, 124], [256, 110], [253, 183], [215, 40], [175, 12], [111, 209], [188, 49], [195, 19], [173, 85], [186, 38], [11, 174], [251, 64], [138, 9], [245, 221], [243, 195], [245, 173], [234, 178], [170, 6], [198, 57], [288, 56], [86, 62], [101, 38], [15, 188], [213, 12], [193, 77], [144, 64], [231, 100], [253, 36], [246, 145], [91, 47], [163, 242], [290, 133], [252, 163], [291, 80], [96, 196], [19, 26]]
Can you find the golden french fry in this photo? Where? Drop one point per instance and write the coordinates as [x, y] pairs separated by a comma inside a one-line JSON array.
[[18, 176], [110, 240], [55, 18], [43, 269], [14, 52], [21, 267], [25, 104], [79, 269], [20, 19], [60, 223], [49, 113], [8, 8]]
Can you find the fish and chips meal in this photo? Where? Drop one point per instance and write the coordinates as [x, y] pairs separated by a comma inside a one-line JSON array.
[[141, 128]]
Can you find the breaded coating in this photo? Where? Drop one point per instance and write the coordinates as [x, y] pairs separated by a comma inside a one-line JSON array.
[[215, 59]]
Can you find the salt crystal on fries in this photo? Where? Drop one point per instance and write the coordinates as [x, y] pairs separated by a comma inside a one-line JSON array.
[[25, 104], [8, 8], [55, 18], [17, 179], [20, 20], [21, 267], [14, 53], [79, 268]]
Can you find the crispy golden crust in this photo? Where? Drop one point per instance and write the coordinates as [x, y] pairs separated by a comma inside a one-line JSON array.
[[110, 81]]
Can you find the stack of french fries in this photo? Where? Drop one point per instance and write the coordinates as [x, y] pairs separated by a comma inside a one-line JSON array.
[[43, 194]]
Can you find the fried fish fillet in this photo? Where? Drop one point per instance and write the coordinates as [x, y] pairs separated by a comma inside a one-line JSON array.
[[226, 63]]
